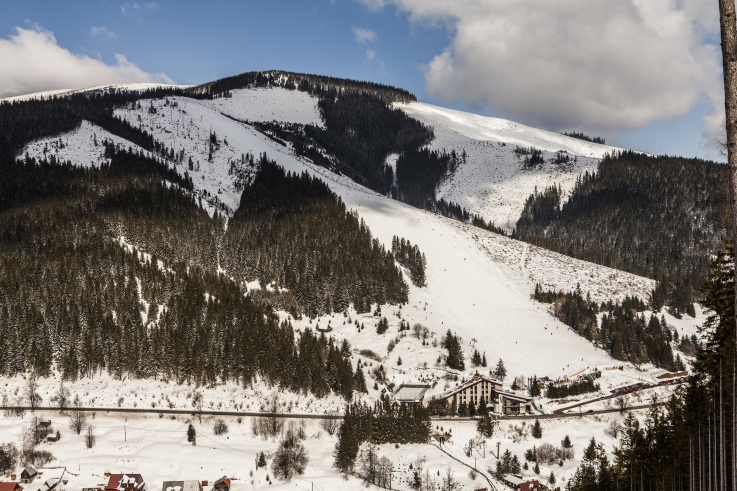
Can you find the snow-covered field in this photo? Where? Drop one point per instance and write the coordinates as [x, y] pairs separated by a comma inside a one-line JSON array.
[[493, 183], [157, 448]]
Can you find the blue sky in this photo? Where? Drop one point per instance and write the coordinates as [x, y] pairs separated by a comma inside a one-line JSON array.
[[194, 42]]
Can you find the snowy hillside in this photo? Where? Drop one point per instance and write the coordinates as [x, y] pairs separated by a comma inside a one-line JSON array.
[[493, 183], [479, 283]]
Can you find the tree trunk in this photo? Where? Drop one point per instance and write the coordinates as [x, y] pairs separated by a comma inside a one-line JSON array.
[[729, 65]]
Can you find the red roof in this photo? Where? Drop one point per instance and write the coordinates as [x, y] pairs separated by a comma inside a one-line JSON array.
[[10, 486], [224, 480], [532, 485], [114, 482]]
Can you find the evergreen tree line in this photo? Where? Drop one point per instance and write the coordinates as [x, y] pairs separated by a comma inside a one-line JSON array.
[[658, 217], [73, 299], [420, 170], [689, 442], [622, 332], [575, 388], [312, 84], [581, 136], [384, 422], [411, 258], [293, 232]]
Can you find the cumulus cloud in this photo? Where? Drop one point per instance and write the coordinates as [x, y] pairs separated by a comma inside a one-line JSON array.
[[593, 65], [32, 61], [102, 31], [364, 36], [151, 6]]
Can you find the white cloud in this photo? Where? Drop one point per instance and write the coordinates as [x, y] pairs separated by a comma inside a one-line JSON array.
[[32, 61], [364, 36], [151, 6], [370, 54], [102, 31], [126, 6], [596, 65]]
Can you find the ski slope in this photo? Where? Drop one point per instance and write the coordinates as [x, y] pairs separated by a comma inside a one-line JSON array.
[[493, 182]]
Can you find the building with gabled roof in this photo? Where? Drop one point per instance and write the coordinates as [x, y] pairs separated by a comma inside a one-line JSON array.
[[521, 484], [10, 486], [125, 482], [222, 484], [28, 474], [490, 389]]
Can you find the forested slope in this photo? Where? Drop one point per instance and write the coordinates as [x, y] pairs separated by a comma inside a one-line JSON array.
[[658, 217]]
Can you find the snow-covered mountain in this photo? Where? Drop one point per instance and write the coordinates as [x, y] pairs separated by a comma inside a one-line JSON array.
[[479, 283], [479, 286], [492, 182]]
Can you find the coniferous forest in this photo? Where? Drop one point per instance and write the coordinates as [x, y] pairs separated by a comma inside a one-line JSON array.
[[658, 217], [689, 442], [112, 268], [294, 232], [621, 331]]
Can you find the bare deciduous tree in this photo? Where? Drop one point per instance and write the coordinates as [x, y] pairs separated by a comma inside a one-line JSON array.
[[62, 397], [331, 423], [89, 436], [77, 420], [198, 401], [622, 402], [32, 391]]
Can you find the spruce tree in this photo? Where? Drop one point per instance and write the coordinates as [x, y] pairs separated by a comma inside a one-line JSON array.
[[359, 381], [567, 442], [347, 450], [537, 429], [485, 425], [191, 435], [500, 371]]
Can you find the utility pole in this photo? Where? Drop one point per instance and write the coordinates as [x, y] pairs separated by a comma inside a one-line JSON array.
[[498, 444], [125, 432]]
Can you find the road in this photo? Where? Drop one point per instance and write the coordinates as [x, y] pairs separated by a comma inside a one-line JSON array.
[[191, 412]]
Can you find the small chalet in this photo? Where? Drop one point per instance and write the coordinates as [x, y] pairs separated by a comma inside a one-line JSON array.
[[10, 486], [125, 482], [182, 486], [490, 389], [521, 484], [222, 484], [28, 474]]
